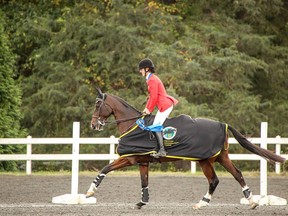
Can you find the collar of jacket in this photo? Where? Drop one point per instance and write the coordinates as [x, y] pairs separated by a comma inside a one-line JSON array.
[[148, 76]]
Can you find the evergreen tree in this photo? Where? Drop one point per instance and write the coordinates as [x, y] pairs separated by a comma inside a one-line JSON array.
[[10, 100]]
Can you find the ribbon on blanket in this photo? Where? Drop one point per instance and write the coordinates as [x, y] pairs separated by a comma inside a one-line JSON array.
[[154, 128]]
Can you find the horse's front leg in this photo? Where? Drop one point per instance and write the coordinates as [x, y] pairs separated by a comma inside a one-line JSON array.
[[144, 174], [117, 164]]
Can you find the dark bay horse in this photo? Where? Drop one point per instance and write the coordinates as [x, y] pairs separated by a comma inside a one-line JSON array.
[[125, 118]]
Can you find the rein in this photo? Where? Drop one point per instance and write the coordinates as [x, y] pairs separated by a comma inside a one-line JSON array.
[[120, 120], [124, 120]]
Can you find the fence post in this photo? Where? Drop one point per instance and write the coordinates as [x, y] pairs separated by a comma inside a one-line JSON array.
[[193, 167], [74, 197], [112, 150], [28, 153], [75, 158], [263, 162], [278, 152]]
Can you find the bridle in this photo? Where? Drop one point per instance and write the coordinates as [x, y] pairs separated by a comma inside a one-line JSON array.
[[103, 121], [100, 121]]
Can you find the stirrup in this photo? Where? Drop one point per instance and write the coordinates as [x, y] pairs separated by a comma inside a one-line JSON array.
[[161, 153]]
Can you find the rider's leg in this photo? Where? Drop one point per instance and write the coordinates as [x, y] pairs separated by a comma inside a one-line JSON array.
[[159, 119], [161, 152]]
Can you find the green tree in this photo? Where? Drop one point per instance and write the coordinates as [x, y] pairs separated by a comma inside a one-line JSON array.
[[10, 100]]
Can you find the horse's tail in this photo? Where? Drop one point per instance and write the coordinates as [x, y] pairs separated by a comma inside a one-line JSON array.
[[268, 155]]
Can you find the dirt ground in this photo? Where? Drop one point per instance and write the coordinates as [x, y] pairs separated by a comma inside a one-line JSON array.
[[117, 195]]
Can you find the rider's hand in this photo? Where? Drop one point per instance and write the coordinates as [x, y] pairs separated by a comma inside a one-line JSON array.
[[146, 111]]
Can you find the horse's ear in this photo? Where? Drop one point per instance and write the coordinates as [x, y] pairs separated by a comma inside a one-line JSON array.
[[100, 94]]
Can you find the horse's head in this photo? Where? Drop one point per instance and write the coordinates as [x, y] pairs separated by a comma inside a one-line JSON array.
[[107, 105], [101, 112]]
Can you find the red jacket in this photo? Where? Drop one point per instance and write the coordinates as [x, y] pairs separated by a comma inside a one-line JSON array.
[[157, 95]]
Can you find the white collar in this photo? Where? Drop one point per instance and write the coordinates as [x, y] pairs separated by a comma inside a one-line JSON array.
[[148, 75]]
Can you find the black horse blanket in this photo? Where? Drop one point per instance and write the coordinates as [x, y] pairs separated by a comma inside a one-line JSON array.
[[184, 138]]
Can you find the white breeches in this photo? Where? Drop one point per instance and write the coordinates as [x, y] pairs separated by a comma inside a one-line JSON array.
[[161, 116]]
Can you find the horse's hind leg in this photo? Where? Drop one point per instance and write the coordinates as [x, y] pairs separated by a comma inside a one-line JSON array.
[[208, 170], [117, 164], [225, 161]]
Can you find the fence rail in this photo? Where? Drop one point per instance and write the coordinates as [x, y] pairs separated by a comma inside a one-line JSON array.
[[112, 141]]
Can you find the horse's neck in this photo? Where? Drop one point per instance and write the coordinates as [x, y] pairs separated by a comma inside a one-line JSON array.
[[125, 126], [123, 115]]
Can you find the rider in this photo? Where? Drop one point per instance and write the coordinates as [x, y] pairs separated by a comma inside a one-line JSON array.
[[157, 97]]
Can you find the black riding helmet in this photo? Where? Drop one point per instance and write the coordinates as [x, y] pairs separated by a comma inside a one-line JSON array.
[[146, 63]]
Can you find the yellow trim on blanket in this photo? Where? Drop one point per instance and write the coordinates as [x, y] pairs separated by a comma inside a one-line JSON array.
[[169, 156], [128, 131], [134, 154], [132, 129], [216, 154], [183, 158], [226, 144], [190, 158]]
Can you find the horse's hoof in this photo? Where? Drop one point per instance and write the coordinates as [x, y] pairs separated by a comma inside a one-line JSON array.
[[139, 205], [196, 206], [254, 205], [90, 194], [91, 191], [200, 204]]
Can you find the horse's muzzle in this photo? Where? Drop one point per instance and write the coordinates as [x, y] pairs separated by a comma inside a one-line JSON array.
[[98, 125], [93, 127]]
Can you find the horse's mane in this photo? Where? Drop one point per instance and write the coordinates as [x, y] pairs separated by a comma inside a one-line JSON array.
[[125, 103]]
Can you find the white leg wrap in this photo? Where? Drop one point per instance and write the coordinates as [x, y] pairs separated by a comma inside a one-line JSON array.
[[91, 191], [208, 196], [252, 202], [245, 188], [204, 202], [92, 188]]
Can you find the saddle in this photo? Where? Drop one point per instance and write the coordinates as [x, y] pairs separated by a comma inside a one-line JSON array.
[[184, 138]]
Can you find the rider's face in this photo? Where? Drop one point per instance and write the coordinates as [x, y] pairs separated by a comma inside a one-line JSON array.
[[142, 71]]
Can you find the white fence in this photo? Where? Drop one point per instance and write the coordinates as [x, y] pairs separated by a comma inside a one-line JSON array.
[[75, 156]]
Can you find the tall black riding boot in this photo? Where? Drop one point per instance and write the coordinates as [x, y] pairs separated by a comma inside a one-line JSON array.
[[161, 152]]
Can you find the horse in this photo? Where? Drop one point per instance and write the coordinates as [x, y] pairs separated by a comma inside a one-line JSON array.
[[125, 118]]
